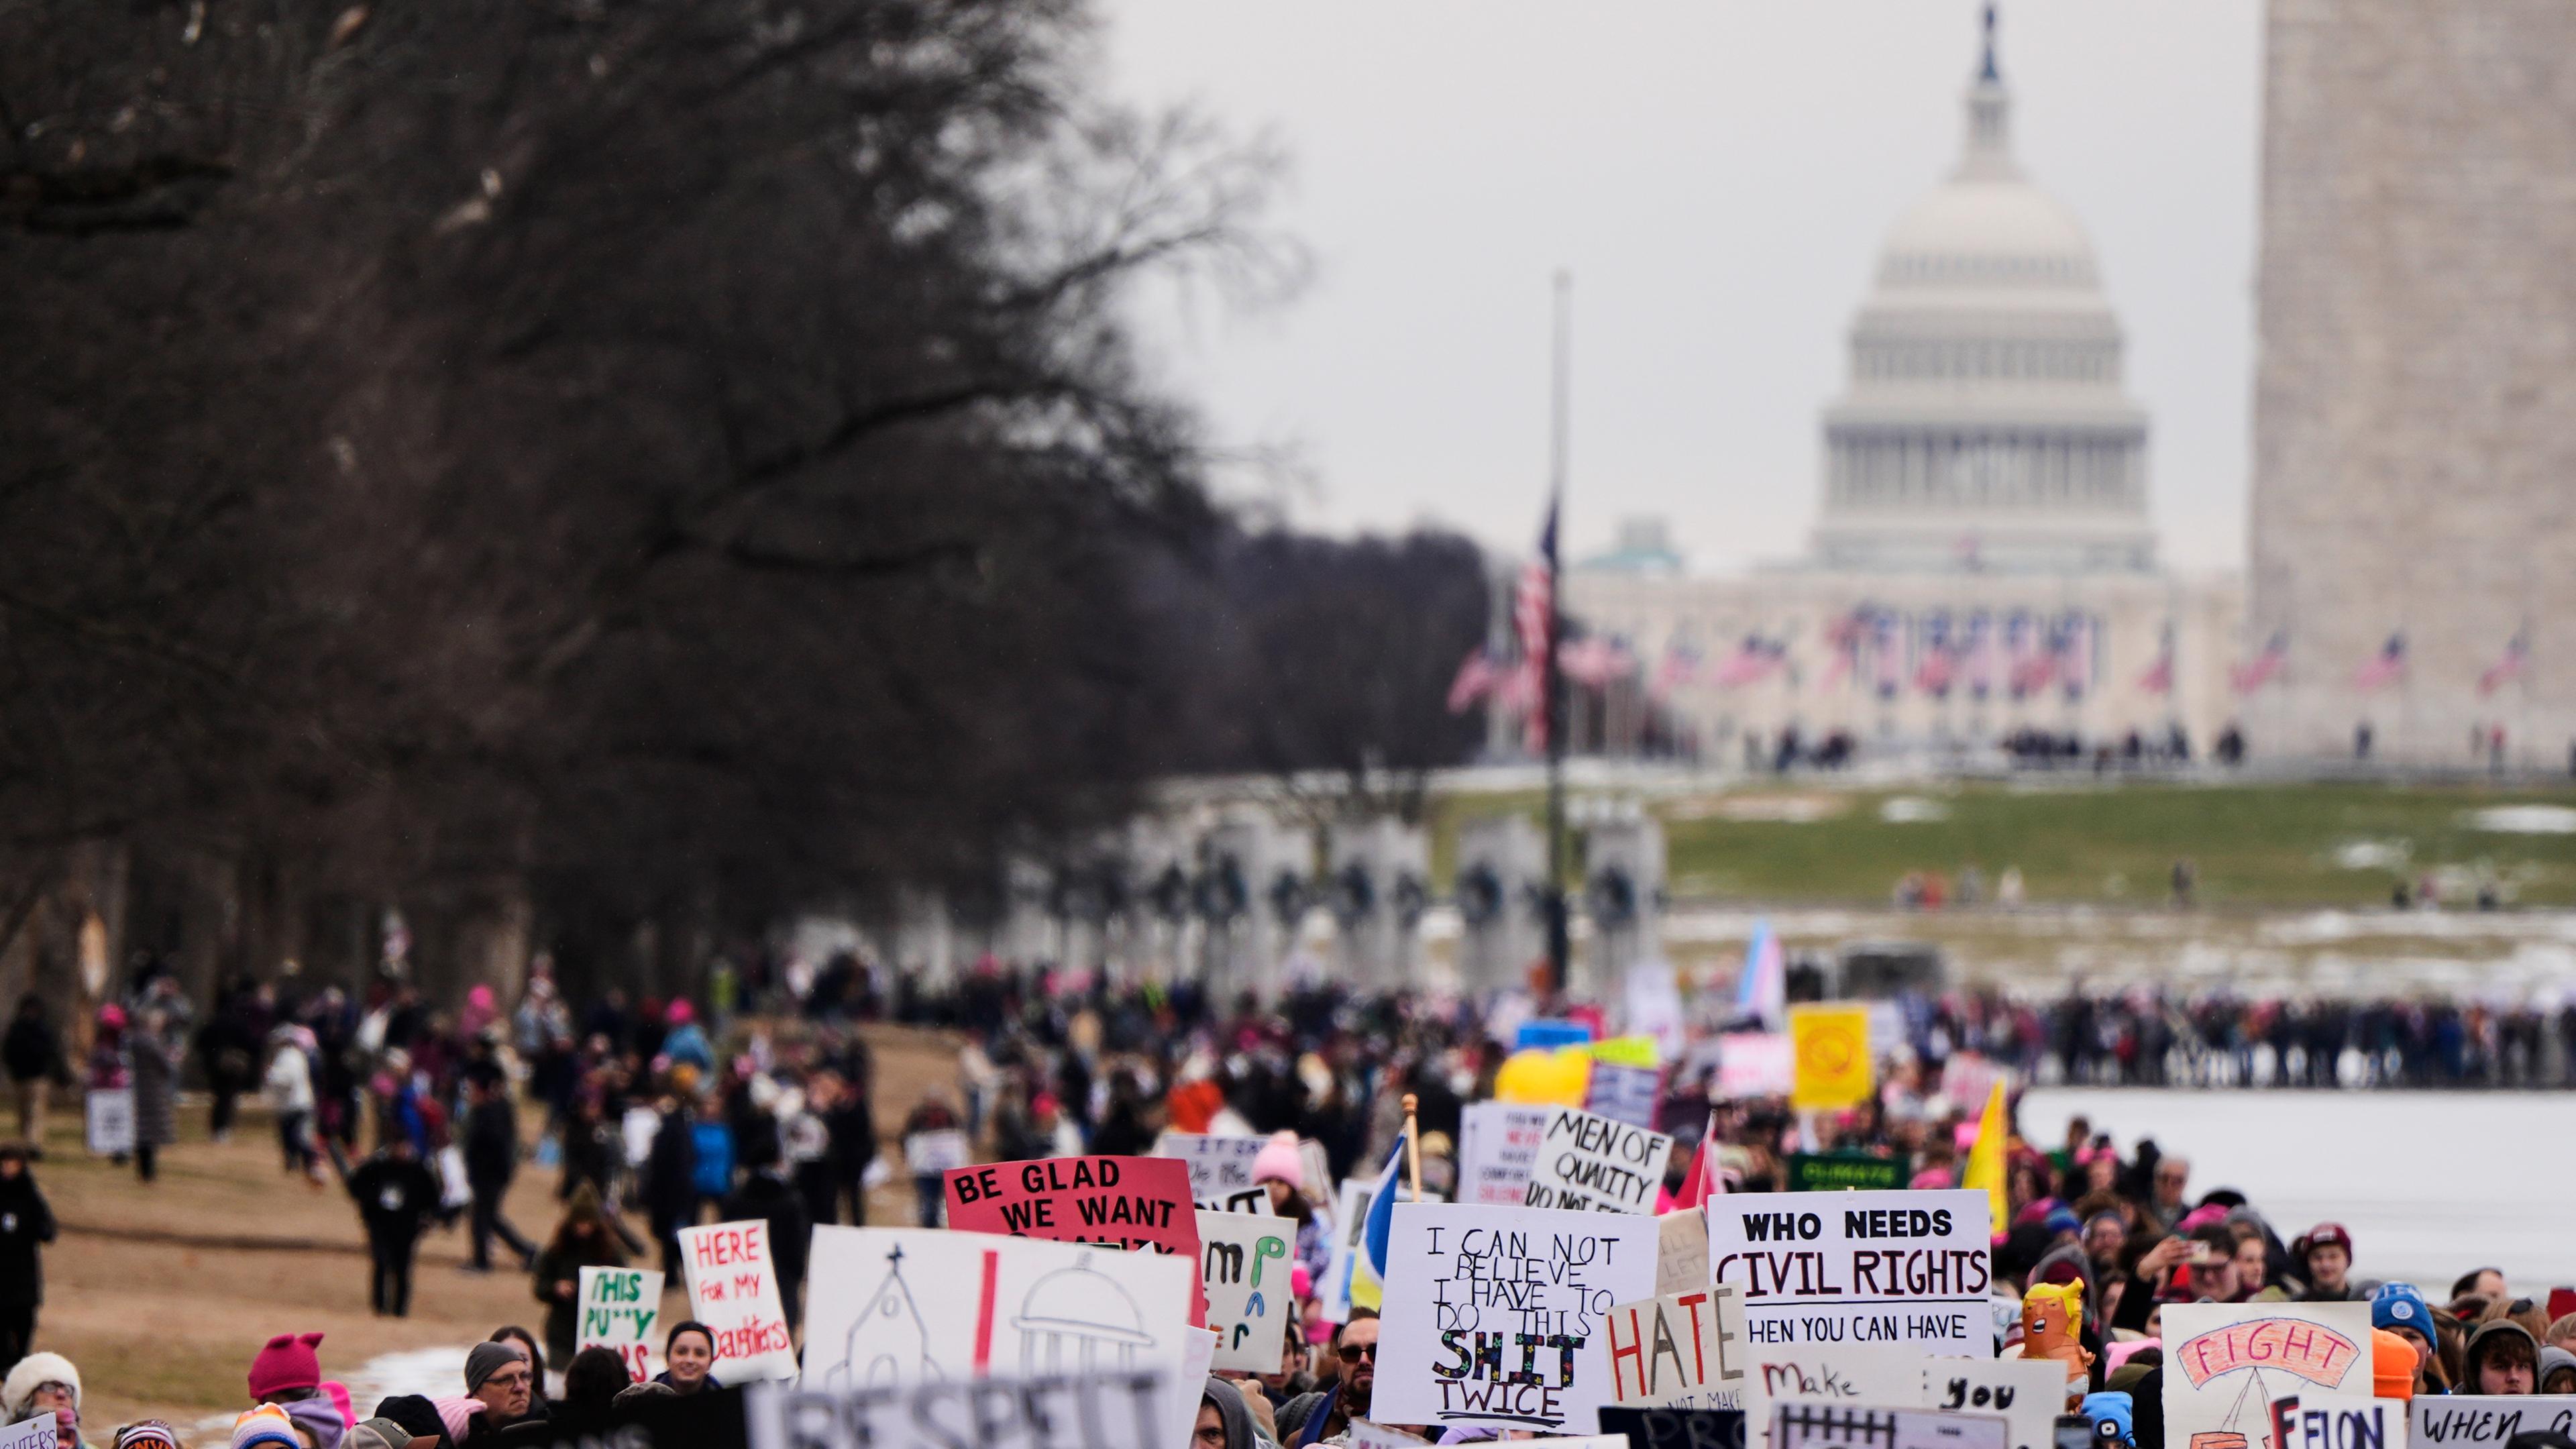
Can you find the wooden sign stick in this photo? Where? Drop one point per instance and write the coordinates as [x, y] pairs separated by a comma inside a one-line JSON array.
[[1413, 1145]]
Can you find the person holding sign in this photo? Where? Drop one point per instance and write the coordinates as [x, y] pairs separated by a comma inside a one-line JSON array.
[[583, 1239]]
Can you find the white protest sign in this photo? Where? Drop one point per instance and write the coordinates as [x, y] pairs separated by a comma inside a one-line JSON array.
[[1496, 1315], [1365, 1435], [110, 1120], [1350, 1219], [1680, 1350], [1247, 1262], [1859, 1268], [1754, 1064], [733, 1289], [1681, 1251], [1582, 1441], [900, 1305], [1107, 1409], [2485, 1421], [1254, 1201], [1878, 1373], [1497, 1143], [1589, 1163], [637, 1130], [2226, 1362], [1198, 1355], [38, 1432], [621, 1309], [1811, 1424], [2028, 1392], [928, 1154], [1219, 1166], [2313, 1420]]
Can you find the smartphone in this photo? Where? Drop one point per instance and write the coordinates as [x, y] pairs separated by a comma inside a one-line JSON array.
[[2074, 1431]]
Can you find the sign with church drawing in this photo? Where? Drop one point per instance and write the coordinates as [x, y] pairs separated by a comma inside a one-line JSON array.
[[908, 1305], [1246, 1260]]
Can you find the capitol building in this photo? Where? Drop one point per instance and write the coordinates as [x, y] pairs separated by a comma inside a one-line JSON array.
[[1982, 559]]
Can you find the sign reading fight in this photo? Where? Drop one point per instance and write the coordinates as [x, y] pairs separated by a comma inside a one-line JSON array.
[[1680, 1350], [1859, 1267], [1497, 1315], [733, 1289], [620, 1308], [1589, 1163], [2226, 1362]]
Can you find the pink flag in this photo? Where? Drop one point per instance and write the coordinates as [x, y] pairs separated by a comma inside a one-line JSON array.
[[2262, 668], [1476, 679], [2384, 668], [2517, 652]]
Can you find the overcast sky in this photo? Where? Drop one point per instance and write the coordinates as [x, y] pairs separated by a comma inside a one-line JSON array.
[[1718, 175]]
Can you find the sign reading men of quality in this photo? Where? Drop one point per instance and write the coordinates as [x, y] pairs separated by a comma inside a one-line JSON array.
[[619, 1309], [1497, 1315], [733, 1290], [1859, 1267], [2226, 1362], [1589, 1163], [2486, 1421], [35, 1433]]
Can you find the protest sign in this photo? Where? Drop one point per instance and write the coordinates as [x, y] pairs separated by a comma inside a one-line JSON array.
[[1252, 1200], [1582, 1441], [1844, 1172], [1887, 1374], [2313, 1420], [637, 1129], [1350, 1219], [620, 1309], [1859, 1268], [1662, 1428], [1681, 1251], [1120, 1202], [1365, 1435], [34, 1433], [2028, 1392], [1198, 1354], [1589, 1163], [1245, 1265], [1809, 1424], [1680, 1350], [2485, 1421], [1753, 1064], [901, 1305], [1495, 1315], [1102, 1409], [1218, 1166], [733, 1290], [1497, 1143], [1627, 1094], [932, 1154], [1829, 1060], [110, 1121], [1315, 1166], [2226, 1362]]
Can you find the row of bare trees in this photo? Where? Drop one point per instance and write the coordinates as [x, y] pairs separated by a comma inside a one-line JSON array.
[[663, 464]]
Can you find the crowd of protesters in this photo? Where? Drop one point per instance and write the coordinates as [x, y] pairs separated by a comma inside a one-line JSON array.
[[755, 1098]]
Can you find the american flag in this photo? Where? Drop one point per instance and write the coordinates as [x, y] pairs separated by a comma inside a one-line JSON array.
[[1891, 665], [1478, 676], [1981, 655], [1933, 674], [1534, 619], [2036, 663], [2074, 651], [2384, 668], [2159, 676], [1753, 661], [1842, 637], [1680, 667], [2263, 668], [2517, 652], [1595, 662]]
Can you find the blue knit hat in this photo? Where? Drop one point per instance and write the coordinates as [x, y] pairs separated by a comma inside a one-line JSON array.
[[2398, 1305]]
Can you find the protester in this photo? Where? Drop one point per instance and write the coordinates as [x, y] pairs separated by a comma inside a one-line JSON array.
[[526, 1343], [2325, 1254], [766, 1196], [289, 1088], [157, 1434], [688, 1358], [592, 1381], [32, 1051], [1315, 1417], [2501, 1358], [267, 1424], [26, 1225], [491, 1161], [396, 1195], [154, 1051], [582, 1239], [931, 1115], [1224, 1422], [500, 1378], [39, 1383]]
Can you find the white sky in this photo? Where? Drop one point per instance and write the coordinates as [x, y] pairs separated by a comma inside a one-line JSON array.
[[1717, 174]]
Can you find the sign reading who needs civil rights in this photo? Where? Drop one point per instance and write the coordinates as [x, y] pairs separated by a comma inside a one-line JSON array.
[[1859, 1267]]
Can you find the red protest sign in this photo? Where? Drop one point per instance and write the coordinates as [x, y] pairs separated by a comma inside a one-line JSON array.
[[1125, 1202]]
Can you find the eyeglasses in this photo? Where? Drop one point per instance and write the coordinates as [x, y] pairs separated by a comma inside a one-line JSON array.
[[1358, 1350]]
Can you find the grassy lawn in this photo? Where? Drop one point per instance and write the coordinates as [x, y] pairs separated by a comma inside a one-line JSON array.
[[2321, 844]]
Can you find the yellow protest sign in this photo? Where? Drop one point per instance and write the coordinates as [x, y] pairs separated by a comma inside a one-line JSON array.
[[1829, 1057], [1628, 1051]]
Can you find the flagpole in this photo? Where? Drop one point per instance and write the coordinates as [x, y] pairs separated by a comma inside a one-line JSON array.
[[1551, 679]]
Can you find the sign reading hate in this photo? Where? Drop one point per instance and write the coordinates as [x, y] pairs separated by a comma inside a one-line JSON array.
[[1680, 1350], [619, 1310], [1589, 1163], [733, 1290], [1496, 1315], [1859, 1267]]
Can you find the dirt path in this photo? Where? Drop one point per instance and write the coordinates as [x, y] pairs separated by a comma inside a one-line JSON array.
[[161, 1293]]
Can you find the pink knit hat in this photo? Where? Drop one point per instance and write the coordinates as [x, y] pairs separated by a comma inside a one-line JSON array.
[[286, 1362], [1278, 1160]]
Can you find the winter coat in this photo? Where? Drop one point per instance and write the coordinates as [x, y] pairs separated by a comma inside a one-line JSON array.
[[853, 1130], [290, 1080], [32, 1049], [26, 1225], [395, 1196], [592, 1153], [156, 1088], [1230, 1411], [670, 1173], [491, 1145], [561, 1261], [2483, 1341]]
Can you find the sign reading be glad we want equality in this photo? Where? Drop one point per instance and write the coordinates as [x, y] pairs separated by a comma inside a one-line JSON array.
[[1859, 1267]]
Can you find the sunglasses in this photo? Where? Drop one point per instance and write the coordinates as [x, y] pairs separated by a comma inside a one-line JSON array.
[[1358, 1350]]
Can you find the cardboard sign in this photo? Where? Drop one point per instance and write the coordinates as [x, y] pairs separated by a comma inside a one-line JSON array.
[[1844, 1172], [1107, 1409], [1681, 1251], [1754, 1064], [2028, 1392], [932, 1154], [1245, 1262], [37, 1432], [1125, 1202], [621, 1310], [1659, 1428], [1885, 1374], [1680, 1350], [2483, 1421], [1496, 1315], [2314, 1420], [1627, 1094], [2226, 1362], [1830, 1065], [733, 1289], [1350, 1220], [109, 1117], [1218, 1166], [1589, 1163], [1497, 1144], [1365, 1435], [910, 1305], [1807, 1424], [1859, 1268]]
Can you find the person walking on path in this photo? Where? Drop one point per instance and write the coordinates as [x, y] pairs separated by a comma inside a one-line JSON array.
[[26, 1225], [396, 1193], [154, 1052], [33, 1053], [491, 1161]]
